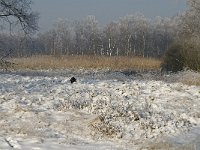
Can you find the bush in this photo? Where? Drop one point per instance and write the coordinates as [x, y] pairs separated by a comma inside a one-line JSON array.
[[184, 54], [191, 53], [173, 59]]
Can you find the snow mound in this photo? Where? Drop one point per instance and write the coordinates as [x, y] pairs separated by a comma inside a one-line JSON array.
[[106, 106]]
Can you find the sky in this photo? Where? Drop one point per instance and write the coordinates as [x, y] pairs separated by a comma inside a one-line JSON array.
[[104, 10]]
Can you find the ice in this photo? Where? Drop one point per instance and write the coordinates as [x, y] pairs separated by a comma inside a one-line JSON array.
[[102, 110]]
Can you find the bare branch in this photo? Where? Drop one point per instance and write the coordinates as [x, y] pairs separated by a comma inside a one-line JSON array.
[[21, 11]]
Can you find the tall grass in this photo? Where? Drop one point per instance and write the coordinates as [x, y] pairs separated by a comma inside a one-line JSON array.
[[87, 62]]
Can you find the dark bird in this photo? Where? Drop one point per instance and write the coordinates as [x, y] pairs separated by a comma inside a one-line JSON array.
[[72, 80]]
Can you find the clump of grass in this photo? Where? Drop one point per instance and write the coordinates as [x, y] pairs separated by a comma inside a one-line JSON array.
[[169, 146], [190, 78], [87, 62]]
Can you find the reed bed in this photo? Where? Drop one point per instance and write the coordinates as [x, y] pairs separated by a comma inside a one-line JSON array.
[[86, 62]]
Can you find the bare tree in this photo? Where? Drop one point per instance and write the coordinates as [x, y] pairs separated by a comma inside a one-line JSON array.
[[63, 37], [190, 25], [12, 14], [134, 30], [87, 36], [19, 12], [112, 34]]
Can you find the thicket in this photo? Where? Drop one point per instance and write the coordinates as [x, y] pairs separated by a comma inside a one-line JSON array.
[[182, 55], [173, 59], [191, 54]]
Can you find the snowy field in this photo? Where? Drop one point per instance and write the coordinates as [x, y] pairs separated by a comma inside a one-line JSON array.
[[103, 110]]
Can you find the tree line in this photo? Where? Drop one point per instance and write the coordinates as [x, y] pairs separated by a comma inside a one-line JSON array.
[[132, 35]]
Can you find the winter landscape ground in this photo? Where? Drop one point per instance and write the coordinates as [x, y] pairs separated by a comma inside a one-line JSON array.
[[42, 110]]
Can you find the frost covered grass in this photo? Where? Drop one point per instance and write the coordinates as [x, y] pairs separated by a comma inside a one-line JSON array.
[[103, 110], [87, 62], [169, 146], [189, 77]]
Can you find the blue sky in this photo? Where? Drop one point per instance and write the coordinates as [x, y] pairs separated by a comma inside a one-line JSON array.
[[104, 10]]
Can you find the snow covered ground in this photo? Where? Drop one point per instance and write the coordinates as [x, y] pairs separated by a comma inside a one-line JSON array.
[[42, 110]]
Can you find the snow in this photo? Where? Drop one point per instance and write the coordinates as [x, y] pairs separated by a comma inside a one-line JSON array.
[[102, 110]]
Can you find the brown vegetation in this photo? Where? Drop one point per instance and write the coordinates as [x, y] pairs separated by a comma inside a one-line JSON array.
[[173, 60], [183, 54], [191, 54], [189, 78], [169, 146], [87, 62]]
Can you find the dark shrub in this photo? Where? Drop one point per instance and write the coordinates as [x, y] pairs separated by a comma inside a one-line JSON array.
[[173, 59], [191, 53]]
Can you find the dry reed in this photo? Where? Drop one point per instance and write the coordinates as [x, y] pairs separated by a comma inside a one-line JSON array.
[[87, 62]]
